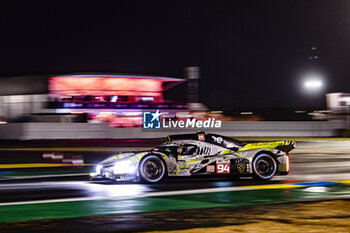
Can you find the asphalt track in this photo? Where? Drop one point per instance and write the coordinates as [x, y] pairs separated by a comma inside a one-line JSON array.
[[319, 170]]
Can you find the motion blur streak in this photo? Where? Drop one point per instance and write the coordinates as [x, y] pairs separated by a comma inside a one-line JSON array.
[[35, 165]]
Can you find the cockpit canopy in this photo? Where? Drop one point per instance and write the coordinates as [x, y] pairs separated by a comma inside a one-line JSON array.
[[186, 149]]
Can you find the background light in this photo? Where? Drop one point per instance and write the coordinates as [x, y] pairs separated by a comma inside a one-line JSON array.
[[313, 81], [313, 84]]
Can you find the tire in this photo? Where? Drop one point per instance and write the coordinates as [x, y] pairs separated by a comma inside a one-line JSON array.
[[264, 167], [151, 169]]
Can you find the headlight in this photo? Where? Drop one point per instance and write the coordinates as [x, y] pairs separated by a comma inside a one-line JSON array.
[[98, 169], [124, 167]]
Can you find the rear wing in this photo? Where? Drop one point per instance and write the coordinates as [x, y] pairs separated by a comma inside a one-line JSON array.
[[284, 146]]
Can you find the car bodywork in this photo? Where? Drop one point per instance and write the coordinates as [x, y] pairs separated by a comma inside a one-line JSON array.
[[201, 154]]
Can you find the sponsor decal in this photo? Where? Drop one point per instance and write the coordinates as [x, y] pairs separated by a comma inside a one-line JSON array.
[[151, 120], [222, 160], [211, 168], [220, 140], [223, 168], [181, 172], [217, 139], [240, 167], [125, 177], [201, 137]]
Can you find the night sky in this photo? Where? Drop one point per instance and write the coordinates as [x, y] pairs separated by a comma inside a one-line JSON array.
[[251, 53]]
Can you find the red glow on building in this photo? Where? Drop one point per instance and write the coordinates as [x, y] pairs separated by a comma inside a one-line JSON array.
[[95, 86], [116, 99]]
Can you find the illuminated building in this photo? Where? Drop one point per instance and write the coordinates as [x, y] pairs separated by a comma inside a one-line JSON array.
[[100, 96]]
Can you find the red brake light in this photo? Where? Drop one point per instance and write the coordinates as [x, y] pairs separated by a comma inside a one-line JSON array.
[[287, 162]]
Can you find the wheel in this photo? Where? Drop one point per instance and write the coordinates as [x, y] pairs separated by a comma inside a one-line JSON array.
[[151, 169], [264, 167]]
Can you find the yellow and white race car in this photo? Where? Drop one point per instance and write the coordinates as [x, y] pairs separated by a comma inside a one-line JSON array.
[[199, 154]]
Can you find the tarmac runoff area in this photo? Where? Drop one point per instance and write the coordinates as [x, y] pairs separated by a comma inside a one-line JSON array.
[[323, 216], [326, 216]]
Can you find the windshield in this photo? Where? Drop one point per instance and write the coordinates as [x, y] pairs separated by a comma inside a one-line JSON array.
[[186, 149], [167, 149]]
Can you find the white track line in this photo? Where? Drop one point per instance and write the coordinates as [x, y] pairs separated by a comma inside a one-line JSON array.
[[153, 194]]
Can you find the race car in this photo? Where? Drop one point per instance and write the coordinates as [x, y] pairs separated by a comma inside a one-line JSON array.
[[198, 154]]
